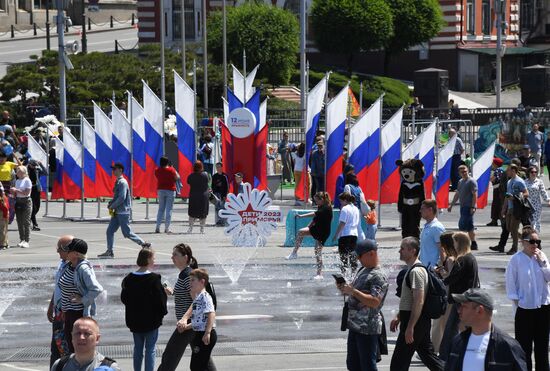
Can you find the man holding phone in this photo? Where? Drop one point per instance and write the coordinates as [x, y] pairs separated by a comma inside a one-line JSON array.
[[366, 296]]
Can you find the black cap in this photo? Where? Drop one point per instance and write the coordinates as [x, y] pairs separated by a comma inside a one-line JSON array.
[[478, 296], [348, 168], [365, 246], [77, 245], [117, 165]]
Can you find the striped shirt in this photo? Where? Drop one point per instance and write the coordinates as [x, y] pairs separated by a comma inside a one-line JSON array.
[[182, 293], [68, 289]]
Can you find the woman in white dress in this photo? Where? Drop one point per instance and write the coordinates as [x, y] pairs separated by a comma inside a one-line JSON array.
[[537, 194]]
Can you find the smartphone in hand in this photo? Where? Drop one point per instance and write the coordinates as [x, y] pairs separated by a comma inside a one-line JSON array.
[[339, 278]]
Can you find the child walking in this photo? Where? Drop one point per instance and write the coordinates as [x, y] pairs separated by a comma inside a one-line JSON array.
[[371, 220]]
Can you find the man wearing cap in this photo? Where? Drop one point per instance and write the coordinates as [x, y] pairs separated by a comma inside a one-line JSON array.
[[496, 206], [482, 346], [58, 346], [366, 296], [414, 326], [119, 209]]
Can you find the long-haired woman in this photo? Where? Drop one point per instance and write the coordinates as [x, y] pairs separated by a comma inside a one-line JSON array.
[[347, 231]]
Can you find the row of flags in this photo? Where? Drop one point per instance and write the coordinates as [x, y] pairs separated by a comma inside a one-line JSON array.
[[374, 149]]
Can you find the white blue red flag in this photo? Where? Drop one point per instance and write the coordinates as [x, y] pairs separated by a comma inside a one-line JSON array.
[[260, 143], [390, 180], [364, 149], [104, 153], [315, 101], [423, 148], [185, 124], [443, 176], [154, 137], [72, 167], [481, 171], [122, 141], [37, 153], [89, 153], [57, 188], [139, 181], [336, 131], [239, 83]]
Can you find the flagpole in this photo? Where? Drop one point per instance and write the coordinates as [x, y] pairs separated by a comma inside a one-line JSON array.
[[361, 98], [379, 154], [244, 80], [162, 70], [183, 46], [131, 116], [436, 155], [326, 144], [82, 165], [224, 42], [195, 108], [304, 172], [49, 171]]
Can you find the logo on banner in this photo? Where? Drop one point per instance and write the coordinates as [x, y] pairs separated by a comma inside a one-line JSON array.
[[241, 122], [250, 217]]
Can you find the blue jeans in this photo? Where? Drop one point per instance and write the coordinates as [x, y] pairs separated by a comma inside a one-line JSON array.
[[121, 221], [362, 352], [149, 340], [166, 203]]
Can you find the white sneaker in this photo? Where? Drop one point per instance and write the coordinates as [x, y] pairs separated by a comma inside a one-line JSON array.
[[24, 244], [20, 244], [292, 256], [318, 277]]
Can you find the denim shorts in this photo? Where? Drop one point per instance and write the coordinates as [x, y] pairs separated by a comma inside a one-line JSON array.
[[466, 221]]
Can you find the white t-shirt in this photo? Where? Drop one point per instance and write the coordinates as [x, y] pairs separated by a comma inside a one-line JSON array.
[[350, 215], [298, 162], [474, 358], [23, 184], [202, 306]]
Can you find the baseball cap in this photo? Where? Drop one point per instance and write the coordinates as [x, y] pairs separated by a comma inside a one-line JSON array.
[[118, 165], [478, 296], [497, 161], [365, 246]]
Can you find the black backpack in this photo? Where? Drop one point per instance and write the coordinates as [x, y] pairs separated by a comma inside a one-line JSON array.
[[210, 289], [63, 361], [435, 304]]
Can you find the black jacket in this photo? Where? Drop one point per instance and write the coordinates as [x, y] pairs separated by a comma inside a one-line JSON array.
[[503, 352], [145, 301]]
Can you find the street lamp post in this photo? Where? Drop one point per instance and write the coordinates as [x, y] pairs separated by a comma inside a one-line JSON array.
[[499, 5], [48, 24], [61, 58], [205, 56], [183, 46]]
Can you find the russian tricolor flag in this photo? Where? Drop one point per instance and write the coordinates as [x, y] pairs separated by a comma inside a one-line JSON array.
[[481, 171], [444, 160], [423, 148], [315, 100], [154, 137], [104, 153], [139, 183], [364, 149], [227, 147], [390, 179], [185, 124], [38, 154], [260, 142], [122, 141], [72, 167], [336, 131], [89, 153], [57, 189]]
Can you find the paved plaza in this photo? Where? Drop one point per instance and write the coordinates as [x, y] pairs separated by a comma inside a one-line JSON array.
[[274, 317]]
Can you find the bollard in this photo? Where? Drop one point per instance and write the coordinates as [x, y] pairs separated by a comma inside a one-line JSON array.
[[12, 31], [89, 23], [34, 28], [133, 19], [84, 39], [112, 22], [116, 46]]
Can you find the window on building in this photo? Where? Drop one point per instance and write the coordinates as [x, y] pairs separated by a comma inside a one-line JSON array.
[[189, 19], [3, 6], [22, 4], [486, 17], [42, 4], [470, 17], [526, 14]]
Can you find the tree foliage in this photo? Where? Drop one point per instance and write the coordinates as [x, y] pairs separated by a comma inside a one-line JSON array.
[[350, 26], [269, 35], [414, 22]]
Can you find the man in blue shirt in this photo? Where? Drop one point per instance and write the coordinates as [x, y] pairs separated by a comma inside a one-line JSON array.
[[515, 188], [429, 237]]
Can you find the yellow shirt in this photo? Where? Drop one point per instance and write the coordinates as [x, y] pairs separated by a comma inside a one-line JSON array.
[[5, 171]]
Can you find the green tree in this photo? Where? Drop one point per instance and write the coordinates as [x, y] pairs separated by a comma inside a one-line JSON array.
[[268, 34], [414, 22], [351, 26]]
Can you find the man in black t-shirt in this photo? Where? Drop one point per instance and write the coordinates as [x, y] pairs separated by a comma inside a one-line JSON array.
[[220, 188]]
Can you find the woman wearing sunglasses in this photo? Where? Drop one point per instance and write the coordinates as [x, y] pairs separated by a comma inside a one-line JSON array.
[[537, 194], [527, 285]]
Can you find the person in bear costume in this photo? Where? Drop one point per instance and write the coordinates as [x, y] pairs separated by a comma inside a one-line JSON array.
[[411, 195]]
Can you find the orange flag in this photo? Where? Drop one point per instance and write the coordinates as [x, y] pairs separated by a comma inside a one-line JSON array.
[[355, 109]]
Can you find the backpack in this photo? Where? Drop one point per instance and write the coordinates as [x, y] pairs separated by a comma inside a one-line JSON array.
[[104, 366], [210, 290], [207, 151], [435, 304]]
